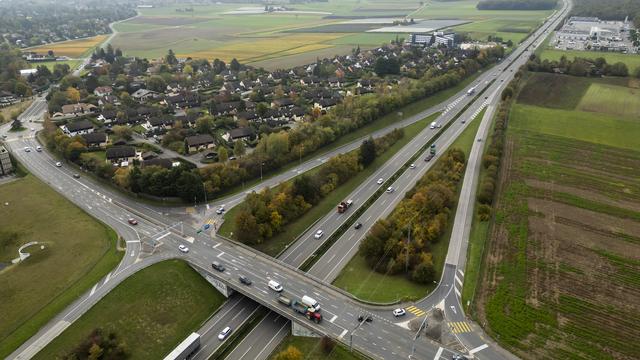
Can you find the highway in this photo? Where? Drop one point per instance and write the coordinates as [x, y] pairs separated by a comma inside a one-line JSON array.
[[382, 339]]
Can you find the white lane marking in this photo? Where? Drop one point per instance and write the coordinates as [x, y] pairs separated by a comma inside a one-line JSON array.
[[108, 277], [331, 258], [216, 245], [189, 239], [333, 318], [93, 290], [245, 353], [43, 340], [481, 347], [163, 236], [222, 253], [461, 272], [344, 332], [458, 280], [457, 292], [438, 353]]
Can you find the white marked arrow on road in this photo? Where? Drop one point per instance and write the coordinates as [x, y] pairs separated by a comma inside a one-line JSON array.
[[453, 308]]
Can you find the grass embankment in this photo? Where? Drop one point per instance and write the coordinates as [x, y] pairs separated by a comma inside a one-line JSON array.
[[366, 284], [18, 108], [312, 350], [560, 270], [279, 242], [78, 252], [387, 120], [152, 311], [51, 64]]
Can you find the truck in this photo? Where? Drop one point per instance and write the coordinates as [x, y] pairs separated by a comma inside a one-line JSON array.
[[344, 205], [471, 91], [186, 348], [432, 149], [305, 310], [433, 125]]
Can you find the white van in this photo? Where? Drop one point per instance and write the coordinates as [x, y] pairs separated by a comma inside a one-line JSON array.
[[311, 303], [433, 125], [275, 286]]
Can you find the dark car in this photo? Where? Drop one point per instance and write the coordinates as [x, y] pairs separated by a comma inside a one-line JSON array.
[[429, 157], [358, 226], [133, 221], [245, 280], [217, 266], [76, 176]]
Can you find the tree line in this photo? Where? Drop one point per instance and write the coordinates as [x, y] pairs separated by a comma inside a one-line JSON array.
[[517, 4], [99, 346], [609, 10], [579, 66], [264, 214], [402, 243]]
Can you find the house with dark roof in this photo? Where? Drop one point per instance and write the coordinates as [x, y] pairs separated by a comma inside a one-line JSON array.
[[161, 162], [158, 123], [96, 140], [122, 155], [239, 133], [198, 142], [78, 128], [246, 116], [282, 103], [77, 109]]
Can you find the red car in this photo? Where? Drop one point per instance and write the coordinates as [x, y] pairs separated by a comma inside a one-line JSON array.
[[133, 221]]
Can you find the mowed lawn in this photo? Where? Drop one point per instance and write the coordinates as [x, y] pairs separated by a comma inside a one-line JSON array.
[[596, 128], [632, 61], [78, 252], [611, 99], [152, 311], [364, 283], [71, 48], [311, 349]]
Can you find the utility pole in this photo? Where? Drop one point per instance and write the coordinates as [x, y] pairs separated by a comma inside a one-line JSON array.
[[406, 266], [361, 320], [413, 344]]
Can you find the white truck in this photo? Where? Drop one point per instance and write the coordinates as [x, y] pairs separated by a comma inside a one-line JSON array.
[[310, 302], [433, 125], [186, 348], [471, 91]]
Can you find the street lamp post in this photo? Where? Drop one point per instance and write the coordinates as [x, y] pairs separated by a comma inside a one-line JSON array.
[[261, 163]]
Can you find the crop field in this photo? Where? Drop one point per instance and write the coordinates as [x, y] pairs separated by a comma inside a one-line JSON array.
[[632, 61], [37, 289], [151, 311], [562, 265], [611, 99], [71, 48]]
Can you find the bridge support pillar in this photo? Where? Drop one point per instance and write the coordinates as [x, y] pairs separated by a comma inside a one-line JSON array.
[[219, 285], [299, 330]]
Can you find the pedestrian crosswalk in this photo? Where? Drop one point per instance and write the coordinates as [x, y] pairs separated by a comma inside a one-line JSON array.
[[416, 311], [459, 327]]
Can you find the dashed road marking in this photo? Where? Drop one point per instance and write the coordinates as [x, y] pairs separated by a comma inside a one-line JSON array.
[[344, 332], [438, 353], [333, 318], [481, 347]]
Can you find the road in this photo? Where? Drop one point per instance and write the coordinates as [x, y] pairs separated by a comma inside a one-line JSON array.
[[339, 309]]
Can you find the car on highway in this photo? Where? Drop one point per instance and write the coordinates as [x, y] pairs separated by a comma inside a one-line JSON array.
[[132, 221], [390, 189], [429, 157], [357, 226], [458, 357], [58, 164], [399, 312], [224, 333], [479, 139], [412, 166], [32, 129], [76, 176], [220, 210], [217, 266], [39, 148], [27, 149], [275, 286], [245, 280], [380, 181], [318, 234], [183, 248]]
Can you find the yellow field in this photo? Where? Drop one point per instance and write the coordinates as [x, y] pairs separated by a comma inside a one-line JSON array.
[[251, 49], [71, 48]]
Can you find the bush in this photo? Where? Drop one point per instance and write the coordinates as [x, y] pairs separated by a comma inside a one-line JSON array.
[[484, 212], [290, 353], [327, 344]]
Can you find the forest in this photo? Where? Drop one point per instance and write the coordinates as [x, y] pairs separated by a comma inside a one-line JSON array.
[[517, 4], [609, 10]]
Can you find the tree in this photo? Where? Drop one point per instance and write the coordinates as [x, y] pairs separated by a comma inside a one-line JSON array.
[[246, 227], [223, 154], [424, 272], [290, 353], [234, 65], [123, 132], [16, 125], [156, 83], [327, 344], [187, 69], [205, 124], [384, 66], [171, 58], [73, 95], [367, 152], [95, 352], [239, 148]]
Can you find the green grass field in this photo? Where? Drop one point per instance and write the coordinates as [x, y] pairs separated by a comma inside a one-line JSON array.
[[597, 128], [35, 291], [50, 64], [611, 99], [153, 311], [366, 284], [632, 61]]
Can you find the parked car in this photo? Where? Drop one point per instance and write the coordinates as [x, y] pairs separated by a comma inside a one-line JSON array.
[[357, 225], [217, 266], [245, 280], [399, 312], [224, 333], [318, 234], [183, 248], [132, 221]]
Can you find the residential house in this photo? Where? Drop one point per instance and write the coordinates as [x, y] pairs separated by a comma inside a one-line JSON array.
[[109, 99], [161, 162], [122, 155], [246, 116], [239, 133], [78, 128], [282, 103], [103, 91], [95, 140], [325, 104], [158, 123], [198, 142], [78, 109], [334, 82], [142, 95]]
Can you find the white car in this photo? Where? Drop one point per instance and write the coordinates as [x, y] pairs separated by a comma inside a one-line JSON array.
[[183, 248], [412, 166], [318, 234], [224, 333], [220, 210], [399, 312], [58, 164], [38, 148], [380, 181], [390, 189], [273, 285], [27, 149]]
